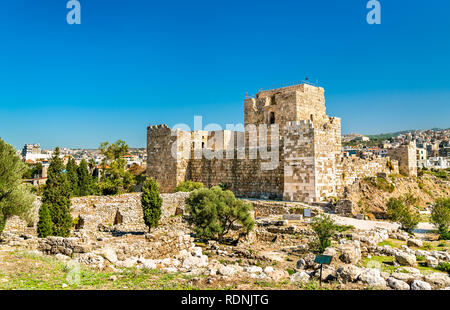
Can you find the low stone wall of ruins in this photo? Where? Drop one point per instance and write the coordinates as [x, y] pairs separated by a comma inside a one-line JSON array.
[[351, 169], [126, 210]]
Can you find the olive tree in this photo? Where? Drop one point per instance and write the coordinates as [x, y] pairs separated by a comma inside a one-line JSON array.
[[214, 212], [15, 198]]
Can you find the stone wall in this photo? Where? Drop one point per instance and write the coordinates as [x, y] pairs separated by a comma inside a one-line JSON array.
[[243, 176], [122, 210], [160, 164], [351, 169], [406, 155]]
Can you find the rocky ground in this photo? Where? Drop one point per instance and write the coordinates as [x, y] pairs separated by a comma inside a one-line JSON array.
[[368, 196], [111, 248]]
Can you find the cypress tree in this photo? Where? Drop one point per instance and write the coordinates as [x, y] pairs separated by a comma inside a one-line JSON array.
[[57, 195], [72, 176], [44, 227], [84, 179], [151, 203]]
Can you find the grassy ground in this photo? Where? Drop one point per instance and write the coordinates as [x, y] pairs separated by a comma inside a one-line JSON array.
[[427, 245], [21, 270], [385, 262], [27, 271]]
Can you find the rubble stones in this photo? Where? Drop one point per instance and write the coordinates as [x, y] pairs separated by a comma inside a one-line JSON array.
[[417, 285], [372, 277], [397, 284], [348, 273], [438, 279], [350, 253], [415, 243], [405, 259], [431, 261], [300, 276]]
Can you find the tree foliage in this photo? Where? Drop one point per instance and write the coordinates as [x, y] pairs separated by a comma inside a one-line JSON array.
[[188, 186], [325, 228], [15, 198], [45, 224], [214, 212], [57, 195], [32, 170], [440, 215], [151, 203], [85, 183], [72, 176], [402, 210], [115, 179]]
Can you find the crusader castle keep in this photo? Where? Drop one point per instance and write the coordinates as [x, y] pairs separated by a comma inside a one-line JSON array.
[[307, 165]]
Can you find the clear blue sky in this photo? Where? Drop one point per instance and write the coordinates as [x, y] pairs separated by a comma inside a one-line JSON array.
[[138, 62]]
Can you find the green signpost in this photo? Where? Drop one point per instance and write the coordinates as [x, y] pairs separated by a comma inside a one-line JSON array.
[[322, 259]]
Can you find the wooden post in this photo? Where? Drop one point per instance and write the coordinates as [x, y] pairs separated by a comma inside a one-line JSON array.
[[320, 281]]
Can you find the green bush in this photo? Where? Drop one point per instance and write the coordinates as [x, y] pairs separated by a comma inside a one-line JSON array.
[[444, 266], [151, 203], [324, 228], [45, 225], [401, 210], [381, 184], [188, 186], [445, 236], [214, 211], [440, 215], [225, 186]]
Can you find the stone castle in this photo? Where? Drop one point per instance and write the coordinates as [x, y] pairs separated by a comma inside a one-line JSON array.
[[309, 166]]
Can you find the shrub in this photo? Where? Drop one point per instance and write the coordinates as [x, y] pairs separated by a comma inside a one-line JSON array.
[[444, 266], [151, 203], [440, 215], [15, 198], [381, 184], [214, 211], [389, 165], [188, 186], [224, 186], [401, 210], [445, 236], [45, 225], [324, 228]]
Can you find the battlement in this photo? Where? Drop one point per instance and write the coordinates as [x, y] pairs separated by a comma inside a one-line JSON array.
[[287, 104], [298, 87]]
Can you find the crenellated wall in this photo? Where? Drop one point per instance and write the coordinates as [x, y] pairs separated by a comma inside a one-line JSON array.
[[302, 163]]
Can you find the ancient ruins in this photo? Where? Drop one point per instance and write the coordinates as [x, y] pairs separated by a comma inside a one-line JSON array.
[[310, 166]]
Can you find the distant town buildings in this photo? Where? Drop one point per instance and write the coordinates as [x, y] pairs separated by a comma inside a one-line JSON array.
[[33, 155], [432, 146]]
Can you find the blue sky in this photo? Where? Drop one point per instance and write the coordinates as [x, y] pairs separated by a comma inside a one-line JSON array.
[[138, 62]]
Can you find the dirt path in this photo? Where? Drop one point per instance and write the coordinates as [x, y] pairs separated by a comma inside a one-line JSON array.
[[364, 224]]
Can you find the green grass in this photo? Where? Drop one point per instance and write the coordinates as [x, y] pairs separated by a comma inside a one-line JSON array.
[[51, 274], [392, 243], [383, 262], [381, 184], [343, 228]]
